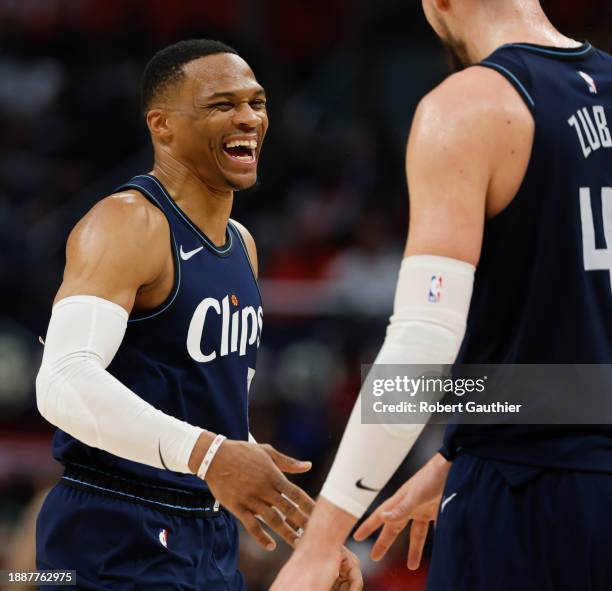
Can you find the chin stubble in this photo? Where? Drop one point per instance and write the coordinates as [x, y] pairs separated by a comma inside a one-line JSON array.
[[236, 187], [456, 52]]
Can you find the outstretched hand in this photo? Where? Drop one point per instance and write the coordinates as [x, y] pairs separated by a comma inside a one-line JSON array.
[[417, 501], [248, 480]]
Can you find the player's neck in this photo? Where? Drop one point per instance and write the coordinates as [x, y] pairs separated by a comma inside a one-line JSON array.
[[207, 208], [528, 27]]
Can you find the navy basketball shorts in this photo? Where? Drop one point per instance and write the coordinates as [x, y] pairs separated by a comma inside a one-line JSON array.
[[500, 529], [120, 535]]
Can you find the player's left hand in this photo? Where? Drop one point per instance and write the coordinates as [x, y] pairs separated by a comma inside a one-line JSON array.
[[349, 578], [320, 571], [418, 501]]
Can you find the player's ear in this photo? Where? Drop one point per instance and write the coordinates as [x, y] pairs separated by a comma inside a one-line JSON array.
[[158, 124], [442, 5]]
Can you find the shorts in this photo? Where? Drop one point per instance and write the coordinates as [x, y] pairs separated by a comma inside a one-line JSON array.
[[113, 541], [505, 527]]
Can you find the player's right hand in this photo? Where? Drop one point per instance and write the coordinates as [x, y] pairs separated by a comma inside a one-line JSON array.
[[248, 480]]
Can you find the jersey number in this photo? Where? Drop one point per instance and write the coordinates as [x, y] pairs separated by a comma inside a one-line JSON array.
[[596, 259]]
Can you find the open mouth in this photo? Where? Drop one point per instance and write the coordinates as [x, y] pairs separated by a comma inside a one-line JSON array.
[[241, 150]]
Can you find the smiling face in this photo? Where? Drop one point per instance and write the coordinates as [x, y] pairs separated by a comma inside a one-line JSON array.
[[213, 121]]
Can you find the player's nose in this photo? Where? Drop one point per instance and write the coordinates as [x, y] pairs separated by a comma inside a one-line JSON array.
[[246, 117]]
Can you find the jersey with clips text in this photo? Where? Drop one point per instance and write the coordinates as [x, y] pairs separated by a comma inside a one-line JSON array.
[[194, 356]]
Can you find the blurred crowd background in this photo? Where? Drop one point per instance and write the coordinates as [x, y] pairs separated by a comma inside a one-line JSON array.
[[343, 79]]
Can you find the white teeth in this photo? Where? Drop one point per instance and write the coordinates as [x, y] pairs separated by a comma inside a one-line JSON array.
[[244, 158], [242, 143]]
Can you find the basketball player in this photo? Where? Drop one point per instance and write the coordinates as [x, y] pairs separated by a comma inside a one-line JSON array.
[[151, 348], [509, 168]]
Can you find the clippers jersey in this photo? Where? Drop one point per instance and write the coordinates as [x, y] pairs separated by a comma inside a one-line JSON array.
[[543, 286], [192, 357]]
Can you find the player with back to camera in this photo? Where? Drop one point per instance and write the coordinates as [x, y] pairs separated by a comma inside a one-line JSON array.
[[151, 348], [509, 167]]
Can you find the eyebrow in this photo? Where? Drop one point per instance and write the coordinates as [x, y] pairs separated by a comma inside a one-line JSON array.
[[259, 92]]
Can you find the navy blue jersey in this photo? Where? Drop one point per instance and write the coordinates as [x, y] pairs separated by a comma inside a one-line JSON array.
[[543, 286], [194, 356]]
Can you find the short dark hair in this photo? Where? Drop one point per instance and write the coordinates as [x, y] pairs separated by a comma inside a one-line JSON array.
[[166, 66]]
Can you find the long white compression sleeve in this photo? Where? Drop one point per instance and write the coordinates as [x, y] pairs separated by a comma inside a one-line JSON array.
[[76, 393], [432, 300]]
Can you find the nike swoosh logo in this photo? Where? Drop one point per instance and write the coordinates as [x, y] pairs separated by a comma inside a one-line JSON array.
[[187, 255], [362, 486], [447, 501]]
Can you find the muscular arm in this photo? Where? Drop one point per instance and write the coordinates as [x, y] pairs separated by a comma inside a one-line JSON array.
[[117, 250], [467, 153]]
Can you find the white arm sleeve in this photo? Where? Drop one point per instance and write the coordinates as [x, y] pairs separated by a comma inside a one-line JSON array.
[[428, 324], [76, 393]]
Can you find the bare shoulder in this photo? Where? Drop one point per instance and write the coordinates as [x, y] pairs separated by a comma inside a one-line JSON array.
[[126, 222], [249, 241], [474, 120], [119, 245], [468, 149], [477, 98], [128, 215]]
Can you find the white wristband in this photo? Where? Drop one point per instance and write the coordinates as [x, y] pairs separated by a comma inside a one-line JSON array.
[[210, 454]]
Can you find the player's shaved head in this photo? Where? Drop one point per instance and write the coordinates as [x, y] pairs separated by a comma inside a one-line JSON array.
[[166, 68]]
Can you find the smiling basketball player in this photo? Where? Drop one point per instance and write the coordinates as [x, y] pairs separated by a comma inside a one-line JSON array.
[[152, 346]]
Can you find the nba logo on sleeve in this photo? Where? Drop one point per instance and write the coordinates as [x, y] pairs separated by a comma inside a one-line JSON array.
[[435, 289]]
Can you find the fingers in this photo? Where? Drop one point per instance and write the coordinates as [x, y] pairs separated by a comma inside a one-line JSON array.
[[293, 514], [256, 531], [295, 495], [286, 463], [385, 540], [353, 577], [368, 527], [276, 521], [399, 509], [418, 535], [374, 521]]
